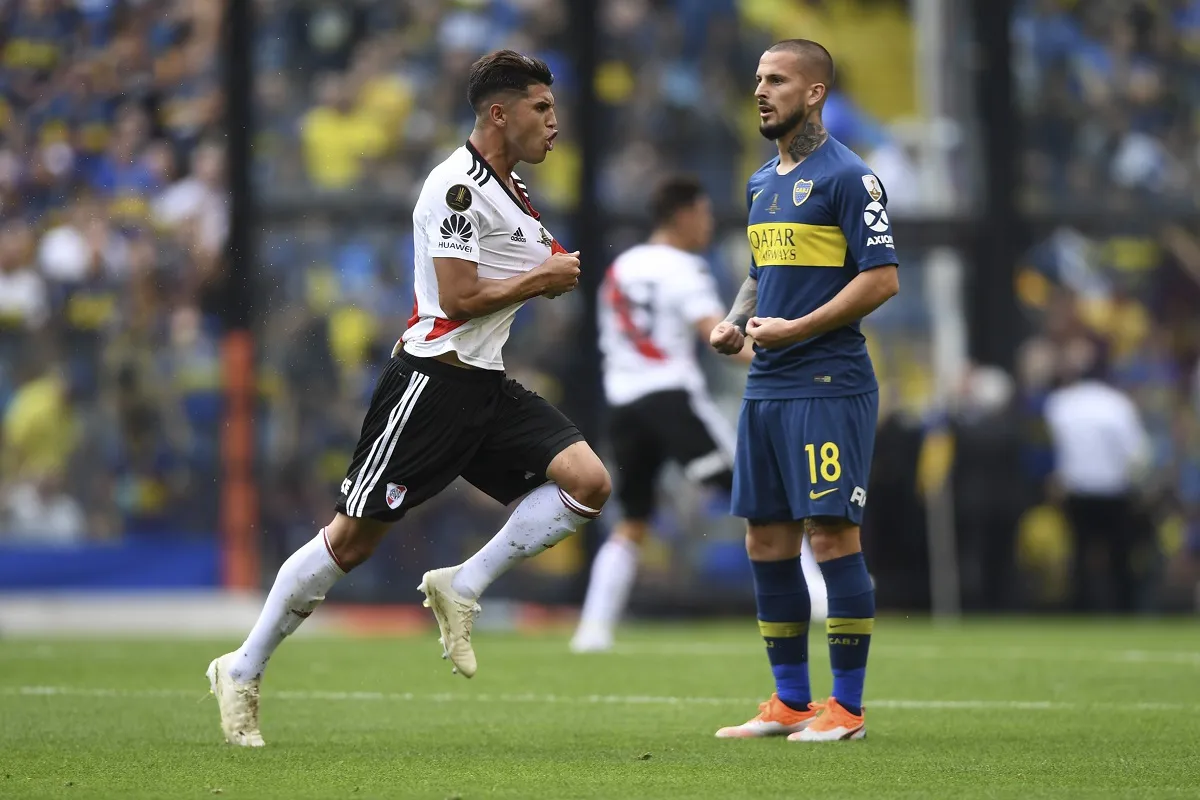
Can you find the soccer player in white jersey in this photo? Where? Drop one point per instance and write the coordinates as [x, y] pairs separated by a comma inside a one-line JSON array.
[[443, 406], [658, 300]]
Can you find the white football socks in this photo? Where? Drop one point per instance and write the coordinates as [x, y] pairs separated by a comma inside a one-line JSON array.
[[544, 518], [299, 588], [612, 577]]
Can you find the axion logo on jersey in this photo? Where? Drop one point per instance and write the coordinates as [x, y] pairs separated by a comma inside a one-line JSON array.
[[395, 495], [876, 217], [884, 239], [519, 236]]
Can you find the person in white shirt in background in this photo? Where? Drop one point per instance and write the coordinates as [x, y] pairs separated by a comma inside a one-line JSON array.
[[1101, 450], [657, 300], [24, 303], [201, 199]]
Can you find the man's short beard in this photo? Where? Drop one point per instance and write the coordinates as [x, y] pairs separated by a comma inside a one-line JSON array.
[[780, 129]]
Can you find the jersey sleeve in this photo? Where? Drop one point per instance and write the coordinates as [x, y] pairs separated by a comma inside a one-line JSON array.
[[862, 215], [695, 291], [749, 205], [456, 216]]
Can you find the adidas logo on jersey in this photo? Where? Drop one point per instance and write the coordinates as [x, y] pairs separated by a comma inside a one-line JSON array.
[[519, 236]]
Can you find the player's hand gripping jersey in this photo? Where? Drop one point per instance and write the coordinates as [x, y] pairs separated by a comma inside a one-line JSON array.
[[465, 211], [650, 302], [811, 231]]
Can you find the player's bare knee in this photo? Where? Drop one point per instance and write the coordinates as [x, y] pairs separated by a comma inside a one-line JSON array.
[[579, 472], [353, 539], [831, 537], [592, 486], [772, 542]]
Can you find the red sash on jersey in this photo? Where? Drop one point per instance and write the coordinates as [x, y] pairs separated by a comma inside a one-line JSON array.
[[623, 308]]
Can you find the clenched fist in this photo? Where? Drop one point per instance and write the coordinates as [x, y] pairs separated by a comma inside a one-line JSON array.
[[561, 271], [727, 339]]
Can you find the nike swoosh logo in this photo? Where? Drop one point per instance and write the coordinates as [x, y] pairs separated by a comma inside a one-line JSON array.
[[842, 625], [819, 495], [754, 196]]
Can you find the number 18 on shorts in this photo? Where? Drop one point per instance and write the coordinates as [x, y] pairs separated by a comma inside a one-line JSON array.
[[804, 457]]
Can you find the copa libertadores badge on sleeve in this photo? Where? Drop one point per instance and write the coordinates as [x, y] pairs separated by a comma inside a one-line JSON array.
[[458, 197]]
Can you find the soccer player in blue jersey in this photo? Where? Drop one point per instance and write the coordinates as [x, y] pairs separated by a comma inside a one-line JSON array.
[[823, 258]]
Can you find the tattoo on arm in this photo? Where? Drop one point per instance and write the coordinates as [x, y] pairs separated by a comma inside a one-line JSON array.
[[807, 140], [744, 305]]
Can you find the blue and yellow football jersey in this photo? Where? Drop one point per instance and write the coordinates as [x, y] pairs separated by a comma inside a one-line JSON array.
[[811, 231]]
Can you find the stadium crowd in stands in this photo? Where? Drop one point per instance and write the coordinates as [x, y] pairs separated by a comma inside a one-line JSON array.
[[114, 217], [1111, 142], [1109, 92]]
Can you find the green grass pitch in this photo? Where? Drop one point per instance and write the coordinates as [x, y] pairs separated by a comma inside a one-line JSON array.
[[988, 709]]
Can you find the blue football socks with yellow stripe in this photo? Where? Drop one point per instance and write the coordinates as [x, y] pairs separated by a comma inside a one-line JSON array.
[[849, 626], [783, 613]]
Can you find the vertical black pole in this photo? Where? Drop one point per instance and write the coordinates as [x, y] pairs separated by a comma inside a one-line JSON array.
[[239, 527], [994, 320], [239, 124], [584, 393]]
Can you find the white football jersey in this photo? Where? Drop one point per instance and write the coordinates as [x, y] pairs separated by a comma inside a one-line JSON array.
[[465, 211], [650, 302]]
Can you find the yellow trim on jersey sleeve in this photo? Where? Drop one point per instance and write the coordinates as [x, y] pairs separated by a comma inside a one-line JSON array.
[[795, 244]]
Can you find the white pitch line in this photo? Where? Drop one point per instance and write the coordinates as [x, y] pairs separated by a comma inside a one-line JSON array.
[[591, 699], [890, 651], [923, 652]]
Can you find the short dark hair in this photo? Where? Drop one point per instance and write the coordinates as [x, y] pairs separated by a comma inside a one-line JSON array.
[[504, 71], [814, 56], [673, 194]]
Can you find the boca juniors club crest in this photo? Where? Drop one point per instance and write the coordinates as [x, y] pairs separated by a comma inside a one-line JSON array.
[[801, 191]]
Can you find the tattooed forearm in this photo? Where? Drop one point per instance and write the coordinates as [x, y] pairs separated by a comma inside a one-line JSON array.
[[745, 304], [807, 140]]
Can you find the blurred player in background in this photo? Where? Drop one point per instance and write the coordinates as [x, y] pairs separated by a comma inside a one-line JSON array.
[[443, 407], [823, 258], [657, 299]]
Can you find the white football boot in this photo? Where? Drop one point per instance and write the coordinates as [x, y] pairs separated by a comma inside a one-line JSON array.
[[238, 704], [455, 616]]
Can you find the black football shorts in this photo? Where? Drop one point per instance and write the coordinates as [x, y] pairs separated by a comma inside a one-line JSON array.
[[666, 426], [430, 422]]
